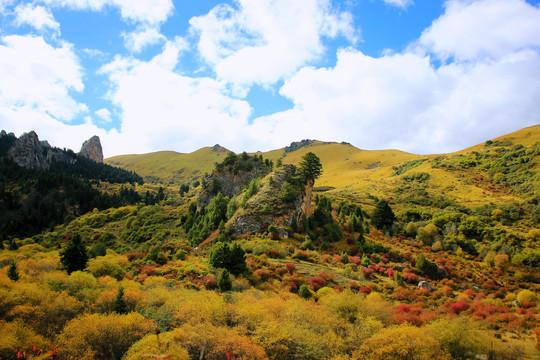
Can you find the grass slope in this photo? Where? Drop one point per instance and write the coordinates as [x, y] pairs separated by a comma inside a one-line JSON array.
[[349, 171], [169, 167]]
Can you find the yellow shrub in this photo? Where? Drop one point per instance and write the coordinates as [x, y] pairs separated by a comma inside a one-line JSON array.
[[151, 346], [526, 295], [17, 336], [217, 341], [401, 342], [98, 336]]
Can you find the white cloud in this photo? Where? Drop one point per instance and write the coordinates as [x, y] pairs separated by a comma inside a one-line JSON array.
[[399, 3], [404, 101], [39, 76], [140, 11], [262, 41], [4, 4], [473, 29], [141, 38], [162, 109], [374, 104], [104, 114], [36, 16]]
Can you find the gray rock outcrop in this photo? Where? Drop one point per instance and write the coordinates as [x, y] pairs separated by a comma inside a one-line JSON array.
[[91, 149], [27, 152], [267, 208]]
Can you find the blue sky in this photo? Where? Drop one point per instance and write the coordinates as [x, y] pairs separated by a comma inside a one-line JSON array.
[[423, 76]]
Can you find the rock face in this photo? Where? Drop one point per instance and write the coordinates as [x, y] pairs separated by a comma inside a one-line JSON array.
[[27, 152], [268, 208], [91, 149], [230, 182]]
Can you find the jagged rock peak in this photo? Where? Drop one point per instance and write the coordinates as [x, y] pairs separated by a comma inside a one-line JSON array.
[[27, 152], [3, 133], [218, 148], [91, 149]]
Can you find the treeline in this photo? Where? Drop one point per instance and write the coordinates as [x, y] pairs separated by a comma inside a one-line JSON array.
[[87, 169], [31, 200]]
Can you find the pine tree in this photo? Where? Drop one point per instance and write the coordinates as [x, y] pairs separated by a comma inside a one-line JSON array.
[[237, 262], [74, 256], [224, 281], [119, 305], [382, 215], [311, 166], [13, 273]]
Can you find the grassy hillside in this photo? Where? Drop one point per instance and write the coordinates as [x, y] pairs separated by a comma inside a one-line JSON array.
[[169, 167], [348, 171]]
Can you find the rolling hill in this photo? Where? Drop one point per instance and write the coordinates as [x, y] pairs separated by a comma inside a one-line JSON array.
[[350, 172]]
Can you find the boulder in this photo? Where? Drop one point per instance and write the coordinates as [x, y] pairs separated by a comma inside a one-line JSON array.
[[424, 285]]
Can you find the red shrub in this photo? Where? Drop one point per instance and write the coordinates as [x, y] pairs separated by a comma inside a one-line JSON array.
[[290, 268], [365, 290], [367, 272], [273, 254], [458, 307], [210, 282], [317, 282]]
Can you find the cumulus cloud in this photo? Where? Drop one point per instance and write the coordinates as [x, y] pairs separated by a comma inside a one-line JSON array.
[[140, 11], [262, 41], [492, 28], [138, 40], [104, 114], [405, 101], [39, 76], [162, 108], [36, 16]]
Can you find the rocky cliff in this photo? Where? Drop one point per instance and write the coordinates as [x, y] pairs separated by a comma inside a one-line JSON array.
[[232, 176], [282, 199], [27, 152], [91, 149]]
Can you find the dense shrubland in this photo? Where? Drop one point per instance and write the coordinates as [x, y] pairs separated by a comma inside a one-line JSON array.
[[413, 275]]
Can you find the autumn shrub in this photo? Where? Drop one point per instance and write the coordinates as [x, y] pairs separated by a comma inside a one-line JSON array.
[[400, 342], [317, 282], [111, 264], [458, 307], [154, 346], [217, 342], [304, 255], [191, 306], [17, 336], [97, 336], [526, 295], [459, 337]]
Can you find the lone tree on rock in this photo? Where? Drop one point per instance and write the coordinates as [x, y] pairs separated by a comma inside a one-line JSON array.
[[311, 167], [74, 256]]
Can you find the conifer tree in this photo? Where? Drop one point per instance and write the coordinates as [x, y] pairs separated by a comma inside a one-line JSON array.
[[119, 305], [382, 215], [74, 256], [13, 273], [310, 166], [224, 281]]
